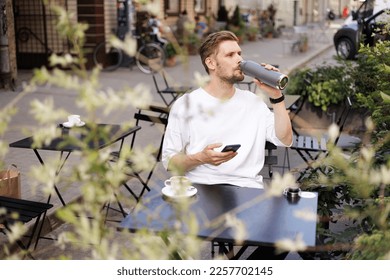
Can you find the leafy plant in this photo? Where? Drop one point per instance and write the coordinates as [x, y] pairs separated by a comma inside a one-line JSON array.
[[236, 19], [170, 50], [236, 24], [372, 83], [252, 32], [222, 14], [355, 190], [328, 85], [191, 43]]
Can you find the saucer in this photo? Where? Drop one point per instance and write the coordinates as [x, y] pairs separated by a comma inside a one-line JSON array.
[[69, 125], [167, 191], [307, 195]]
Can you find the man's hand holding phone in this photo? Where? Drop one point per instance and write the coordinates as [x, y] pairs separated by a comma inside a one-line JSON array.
[[211, 155], [229, 148]]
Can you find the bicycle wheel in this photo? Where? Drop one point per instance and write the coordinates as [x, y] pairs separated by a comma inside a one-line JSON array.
[[150, 57], [107, 56]]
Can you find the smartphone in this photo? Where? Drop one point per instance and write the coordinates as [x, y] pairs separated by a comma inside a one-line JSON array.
[[229, 148]]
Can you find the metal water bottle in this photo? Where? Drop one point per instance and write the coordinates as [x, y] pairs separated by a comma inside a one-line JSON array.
[[269, 77]]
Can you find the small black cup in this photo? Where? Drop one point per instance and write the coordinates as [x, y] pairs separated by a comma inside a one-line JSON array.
[[293, 195]]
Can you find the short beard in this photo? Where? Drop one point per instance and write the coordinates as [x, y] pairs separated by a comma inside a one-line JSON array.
[[234, 79]]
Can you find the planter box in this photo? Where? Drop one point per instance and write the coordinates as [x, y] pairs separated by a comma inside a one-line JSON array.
[[312, 119]]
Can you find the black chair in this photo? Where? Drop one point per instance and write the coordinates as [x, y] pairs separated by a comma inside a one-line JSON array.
[[163, 88], [294, 115], [310, 148], [153, 115], [251, 86], [23, 211], [270, 160]]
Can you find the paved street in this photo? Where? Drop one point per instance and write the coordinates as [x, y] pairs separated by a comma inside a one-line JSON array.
[[271, 51]]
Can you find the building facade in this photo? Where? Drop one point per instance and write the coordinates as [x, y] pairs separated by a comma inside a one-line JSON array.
[[35, 35]]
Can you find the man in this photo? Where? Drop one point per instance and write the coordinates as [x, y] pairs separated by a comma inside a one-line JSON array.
[[218, 114]]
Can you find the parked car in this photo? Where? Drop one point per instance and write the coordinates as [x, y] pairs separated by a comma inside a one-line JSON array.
[[365, 31], [367, 9]]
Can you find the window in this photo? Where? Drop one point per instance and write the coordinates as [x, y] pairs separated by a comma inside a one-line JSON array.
[[200, 6], [171, 7]]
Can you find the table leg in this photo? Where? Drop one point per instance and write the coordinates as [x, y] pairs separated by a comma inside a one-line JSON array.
[[57, 172]]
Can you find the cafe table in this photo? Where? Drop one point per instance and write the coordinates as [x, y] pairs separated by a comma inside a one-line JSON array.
[[267, 219], [113, 133]]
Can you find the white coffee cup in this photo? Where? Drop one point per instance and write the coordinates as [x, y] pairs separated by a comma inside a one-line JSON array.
[[179, 184], [74, 119]]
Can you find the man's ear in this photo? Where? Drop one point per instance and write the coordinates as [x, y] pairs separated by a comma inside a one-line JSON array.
[[210, 63]]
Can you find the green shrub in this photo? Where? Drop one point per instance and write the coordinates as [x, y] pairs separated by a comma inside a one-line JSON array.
[[328, 85], [372, 84]]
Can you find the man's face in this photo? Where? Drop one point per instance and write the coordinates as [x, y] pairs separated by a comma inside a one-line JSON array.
[[227, 61]]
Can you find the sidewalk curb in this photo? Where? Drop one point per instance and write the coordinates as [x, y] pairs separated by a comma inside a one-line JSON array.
[[302, 63]]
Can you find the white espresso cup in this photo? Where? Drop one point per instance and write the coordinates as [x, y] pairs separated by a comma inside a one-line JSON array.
[[74, 119], [178, 184]]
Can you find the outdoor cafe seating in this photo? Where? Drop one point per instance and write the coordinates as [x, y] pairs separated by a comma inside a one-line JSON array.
[[165, 88], [156, 116], [265, 219], [23, 211], [310, 148], [64, 148]]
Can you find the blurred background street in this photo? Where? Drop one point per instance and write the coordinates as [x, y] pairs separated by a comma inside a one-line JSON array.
[[278, 51]]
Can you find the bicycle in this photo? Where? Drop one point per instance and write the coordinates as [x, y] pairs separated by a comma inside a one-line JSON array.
[[150, 56]]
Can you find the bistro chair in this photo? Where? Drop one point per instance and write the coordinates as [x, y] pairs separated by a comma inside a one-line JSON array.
[[270, 159], [249, 85], [294, 116], [164, 88], [15, 210], [309, 148], [145, 116]]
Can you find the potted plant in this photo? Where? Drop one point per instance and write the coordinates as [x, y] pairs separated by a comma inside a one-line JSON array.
[[222, 18], [252, 33], [192, 43], [268, 30], [303, 43], [237, 25], [239, 32], [171, 53]]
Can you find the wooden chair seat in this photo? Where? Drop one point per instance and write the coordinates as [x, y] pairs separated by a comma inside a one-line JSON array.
[[309, 143]]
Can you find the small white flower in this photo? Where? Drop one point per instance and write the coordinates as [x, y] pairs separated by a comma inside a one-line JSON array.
[[333, 132], [305, 214], [385, 174], [369, 124], [367, 154], [238, 227], [201, 80], [286, 245], [280, 183], [128, 45]]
